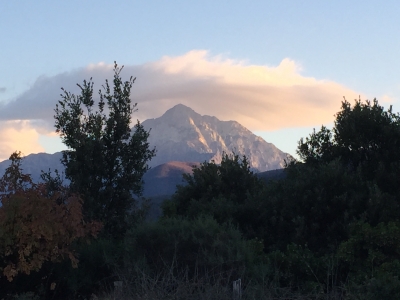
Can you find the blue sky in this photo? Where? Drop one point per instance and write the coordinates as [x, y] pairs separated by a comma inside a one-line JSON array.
[[333, 48]]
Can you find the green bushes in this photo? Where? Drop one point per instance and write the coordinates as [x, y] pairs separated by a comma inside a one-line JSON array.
[[198, 246]]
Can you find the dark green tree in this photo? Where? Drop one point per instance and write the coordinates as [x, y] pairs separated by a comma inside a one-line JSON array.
[[335, 212], [345, 174], [228, 192], [105, 160], [364, 134], [366, 140], [312, 206]]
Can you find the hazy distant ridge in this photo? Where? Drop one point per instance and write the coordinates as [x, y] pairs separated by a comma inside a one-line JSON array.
[[34, 163]]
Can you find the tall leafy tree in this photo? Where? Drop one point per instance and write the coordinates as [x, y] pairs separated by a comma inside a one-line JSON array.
[[345, 174], [105, 160], [363, 134], [366, 140]]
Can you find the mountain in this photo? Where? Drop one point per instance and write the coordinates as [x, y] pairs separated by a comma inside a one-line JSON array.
[[34, 163], [163, 179], [183, 139], [181, 134]]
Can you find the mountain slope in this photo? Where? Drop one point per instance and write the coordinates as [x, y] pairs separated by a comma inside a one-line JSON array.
[[163, 179], [34, 163], [181, 134]]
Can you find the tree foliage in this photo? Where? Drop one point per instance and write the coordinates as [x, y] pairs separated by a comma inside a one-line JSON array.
[[105, 161], [365, 133], [345, 174], [227, 192], [200, 243], [341, 202], [34, 226]]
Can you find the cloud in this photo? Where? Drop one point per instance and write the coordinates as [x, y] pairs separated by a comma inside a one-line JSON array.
[[3, 89], [386, 99], [261, 98], [18, 136]]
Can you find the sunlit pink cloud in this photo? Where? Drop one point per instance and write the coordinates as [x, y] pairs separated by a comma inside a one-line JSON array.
[[18, 136], [260, 97]]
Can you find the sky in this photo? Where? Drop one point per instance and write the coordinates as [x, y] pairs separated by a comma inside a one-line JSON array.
[[280, 68]]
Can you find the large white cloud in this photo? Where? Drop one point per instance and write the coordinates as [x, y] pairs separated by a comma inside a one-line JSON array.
[[259, 97]]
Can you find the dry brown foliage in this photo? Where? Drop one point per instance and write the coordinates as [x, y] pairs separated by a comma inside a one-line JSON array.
[[35, 225]]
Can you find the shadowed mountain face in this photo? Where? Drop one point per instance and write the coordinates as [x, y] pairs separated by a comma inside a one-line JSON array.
[[33, 164], [181, 134], [163, 179]]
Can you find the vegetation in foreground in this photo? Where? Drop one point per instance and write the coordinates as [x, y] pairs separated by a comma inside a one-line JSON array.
[[330, 229]]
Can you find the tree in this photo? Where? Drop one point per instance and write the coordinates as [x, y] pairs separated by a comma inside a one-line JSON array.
[[362, 134], [346, 174], [366, 140], [35, 227], [227, 192], [105, 161], [313, 205]]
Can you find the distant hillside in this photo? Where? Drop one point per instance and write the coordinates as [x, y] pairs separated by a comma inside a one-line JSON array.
[[272, 175], [34, 163], [163, 179]]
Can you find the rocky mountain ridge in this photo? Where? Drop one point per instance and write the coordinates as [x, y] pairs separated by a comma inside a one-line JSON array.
[[181, 134]]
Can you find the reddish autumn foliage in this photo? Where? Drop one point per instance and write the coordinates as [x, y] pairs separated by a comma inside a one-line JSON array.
[[35, 225]]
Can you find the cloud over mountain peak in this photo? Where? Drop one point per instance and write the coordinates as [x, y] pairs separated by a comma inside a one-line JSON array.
[[261, 97]]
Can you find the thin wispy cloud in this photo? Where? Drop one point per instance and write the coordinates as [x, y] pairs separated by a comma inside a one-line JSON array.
[[261, 98]]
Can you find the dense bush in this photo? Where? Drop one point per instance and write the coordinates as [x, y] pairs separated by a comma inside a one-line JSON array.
[[201, 244], [228, 192]]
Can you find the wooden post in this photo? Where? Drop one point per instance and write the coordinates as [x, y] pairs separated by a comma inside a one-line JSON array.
[[118, 288], [237, 289]]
